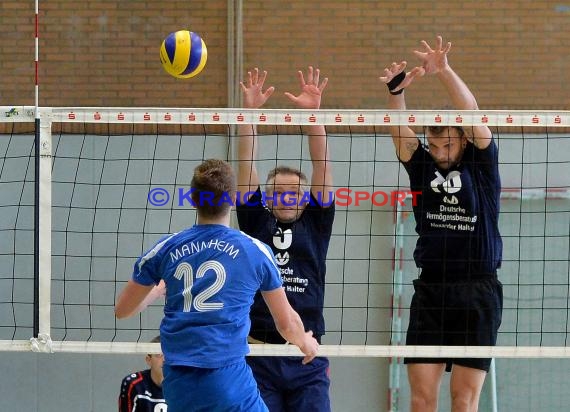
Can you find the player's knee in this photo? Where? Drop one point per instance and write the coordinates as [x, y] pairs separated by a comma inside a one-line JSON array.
[[424, 394], [424, 402], [464, 401]]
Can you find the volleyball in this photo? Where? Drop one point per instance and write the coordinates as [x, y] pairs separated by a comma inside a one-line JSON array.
[[183, 54]]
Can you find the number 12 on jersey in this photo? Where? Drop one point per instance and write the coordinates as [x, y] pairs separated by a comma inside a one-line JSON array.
[[185, 271]]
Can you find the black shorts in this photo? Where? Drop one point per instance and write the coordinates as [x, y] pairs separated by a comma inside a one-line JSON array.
[[455, 314]]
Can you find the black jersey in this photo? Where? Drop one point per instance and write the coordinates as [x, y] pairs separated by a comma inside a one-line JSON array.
[[139, 393], [300, 249], [457, 213]]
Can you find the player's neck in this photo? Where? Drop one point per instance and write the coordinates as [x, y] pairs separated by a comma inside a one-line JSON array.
[[221, 220], [157, 377]]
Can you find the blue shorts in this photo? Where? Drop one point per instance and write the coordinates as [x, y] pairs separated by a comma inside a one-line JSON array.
[[287, 385], [455, 314], [230, 388]]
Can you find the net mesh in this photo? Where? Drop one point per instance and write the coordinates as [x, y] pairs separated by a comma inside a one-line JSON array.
[[120, 180], [16, 235]]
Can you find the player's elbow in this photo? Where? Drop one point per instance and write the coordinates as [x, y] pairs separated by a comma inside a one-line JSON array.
[[121, 313], [284, 326]]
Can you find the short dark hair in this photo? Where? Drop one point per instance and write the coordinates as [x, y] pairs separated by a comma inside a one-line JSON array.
[[213, 186], [439, 131]]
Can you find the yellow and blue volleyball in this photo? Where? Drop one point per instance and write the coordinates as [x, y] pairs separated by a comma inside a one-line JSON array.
[[183, 54]]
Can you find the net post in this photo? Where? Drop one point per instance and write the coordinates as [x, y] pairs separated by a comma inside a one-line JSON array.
[[43, 203]]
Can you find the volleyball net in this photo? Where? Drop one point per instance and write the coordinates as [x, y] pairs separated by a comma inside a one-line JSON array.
[[114, 180]]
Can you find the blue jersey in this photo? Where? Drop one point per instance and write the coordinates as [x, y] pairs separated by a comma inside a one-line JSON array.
[[300, 249], [457, 213], [212, 274]]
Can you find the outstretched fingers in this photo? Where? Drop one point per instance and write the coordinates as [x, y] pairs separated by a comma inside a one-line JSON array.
[[412, 75], [323, 84], [393, 70], [311, 87], [252, 89], [301, 77], [433, 59], [313, 79], [438, 47], [268, 92], [427, 47], [316, 74], [261, 78]]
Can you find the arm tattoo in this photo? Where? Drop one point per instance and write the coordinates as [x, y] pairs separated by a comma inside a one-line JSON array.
[[411, 147]]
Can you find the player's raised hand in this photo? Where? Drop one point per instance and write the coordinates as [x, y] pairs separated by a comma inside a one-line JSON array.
[[252, 89], [311, 89], [397, 79], [434, 60]]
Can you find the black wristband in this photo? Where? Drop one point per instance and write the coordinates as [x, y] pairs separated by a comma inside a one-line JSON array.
[[395, 82]]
